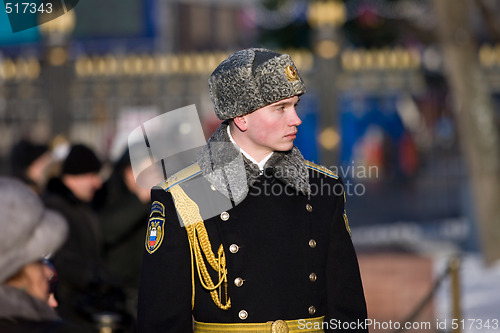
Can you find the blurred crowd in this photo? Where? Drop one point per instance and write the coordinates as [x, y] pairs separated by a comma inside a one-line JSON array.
[[88, 253]]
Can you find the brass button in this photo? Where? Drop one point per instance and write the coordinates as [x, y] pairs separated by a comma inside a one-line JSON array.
[[233, 248], [224, 216], [312, 277], [312, 243], [279, 326], [213, 187], [238, 282], [312, 310], [243, 315], [309, 208]]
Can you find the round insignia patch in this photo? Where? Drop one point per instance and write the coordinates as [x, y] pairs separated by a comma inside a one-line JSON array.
[[291, 74]]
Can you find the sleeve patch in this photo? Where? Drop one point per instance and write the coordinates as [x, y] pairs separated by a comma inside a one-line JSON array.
[[154, 235]]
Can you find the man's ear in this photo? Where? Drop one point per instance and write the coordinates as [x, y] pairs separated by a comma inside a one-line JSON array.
[[241, 123]]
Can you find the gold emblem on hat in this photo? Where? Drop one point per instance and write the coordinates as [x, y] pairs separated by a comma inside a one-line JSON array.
[[291, 74]]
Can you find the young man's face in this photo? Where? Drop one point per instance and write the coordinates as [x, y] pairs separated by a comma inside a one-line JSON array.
[[273, 127]]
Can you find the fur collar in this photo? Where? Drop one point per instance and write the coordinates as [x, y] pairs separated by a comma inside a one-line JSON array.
[[15, 303], [231, 173]]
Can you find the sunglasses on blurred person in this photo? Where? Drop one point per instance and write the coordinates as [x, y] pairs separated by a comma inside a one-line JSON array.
[[53, 280]]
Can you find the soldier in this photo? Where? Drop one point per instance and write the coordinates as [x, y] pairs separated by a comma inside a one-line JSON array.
[[279, 258]]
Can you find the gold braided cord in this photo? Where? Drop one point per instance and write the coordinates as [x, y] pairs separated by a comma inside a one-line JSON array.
[[203, 271], [199, 244], [192, 275]]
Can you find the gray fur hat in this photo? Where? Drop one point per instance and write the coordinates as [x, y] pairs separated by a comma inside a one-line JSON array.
[[250, 79], [28, 230]]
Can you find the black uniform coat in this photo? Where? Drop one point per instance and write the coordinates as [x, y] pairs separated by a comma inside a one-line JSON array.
[[294, 252]]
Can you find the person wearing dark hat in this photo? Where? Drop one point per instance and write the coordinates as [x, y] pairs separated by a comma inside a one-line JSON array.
[[29, 232], [29, 161], [279, 256], [80, 172], [79, 261]]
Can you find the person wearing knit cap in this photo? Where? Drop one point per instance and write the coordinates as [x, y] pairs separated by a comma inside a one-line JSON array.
[[79, 260], [29, 162], [277, 256], [29, 232], [80, 172]]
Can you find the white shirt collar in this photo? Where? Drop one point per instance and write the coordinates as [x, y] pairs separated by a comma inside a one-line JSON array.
[[259, 164]]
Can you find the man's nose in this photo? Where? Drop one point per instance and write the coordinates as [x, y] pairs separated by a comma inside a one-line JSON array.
[[294, 118]]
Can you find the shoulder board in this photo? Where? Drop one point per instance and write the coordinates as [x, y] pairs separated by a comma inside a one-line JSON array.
[[320, 169], [181, 176]]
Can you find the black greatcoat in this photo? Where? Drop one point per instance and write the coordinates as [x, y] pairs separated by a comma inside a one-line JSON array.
[[294, 255]]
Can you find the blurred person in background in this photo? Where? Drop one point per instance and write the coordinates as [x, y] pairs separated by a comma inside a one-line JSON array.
[[122, 208], [29, 162], [29, 232], [85, 287]]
